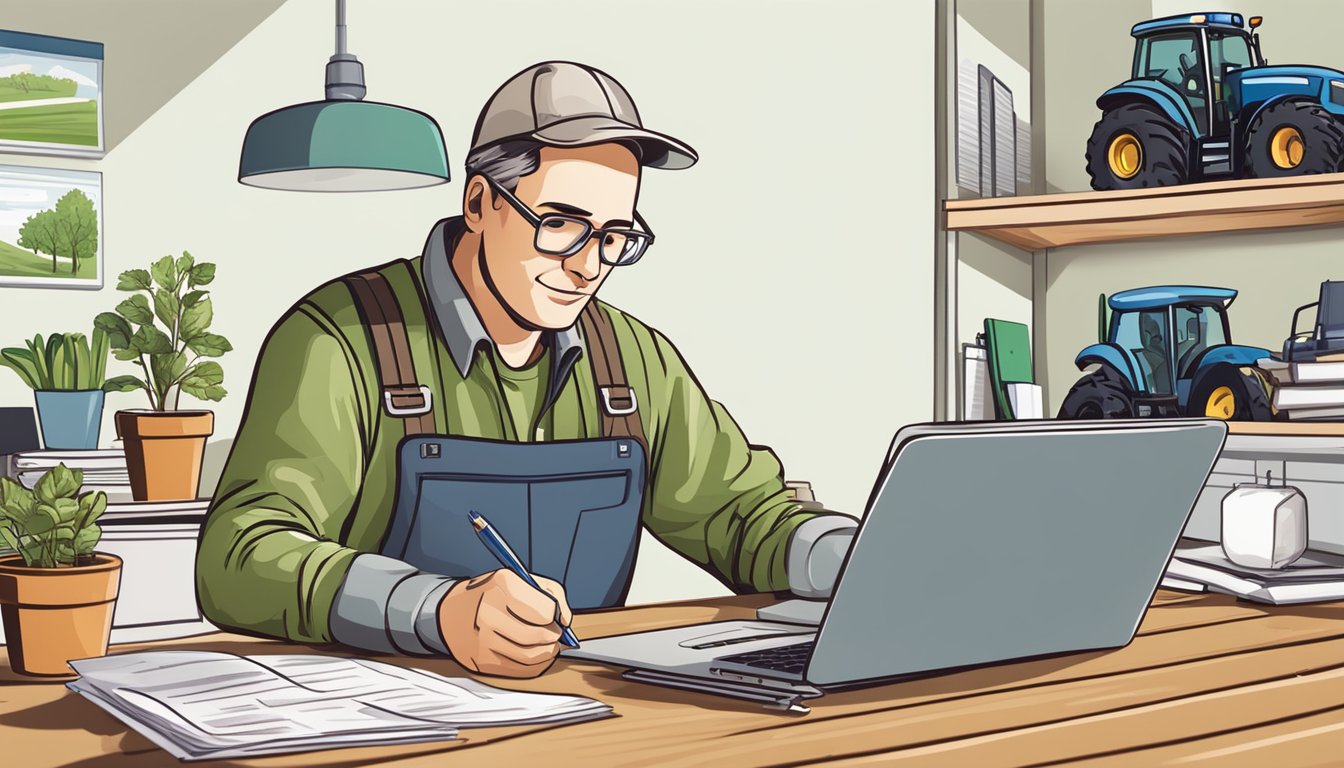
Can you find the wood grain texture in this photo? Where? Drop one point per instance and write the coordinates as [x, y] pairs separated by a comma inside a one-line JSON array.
[[1205, 673], [1051, 221]]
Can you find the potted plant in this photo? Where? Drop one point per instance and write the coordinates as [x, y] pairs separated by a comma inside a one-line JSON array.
[[66, 374], [164, 445], [56, 592]]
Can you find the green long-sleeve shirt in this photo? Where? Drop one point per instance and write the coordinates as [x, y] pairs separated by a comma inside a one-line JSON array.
[[309, 485]]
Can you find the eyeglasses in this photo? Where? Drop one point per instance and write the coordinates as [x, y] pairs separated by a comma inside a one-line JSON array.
[[562, 235]]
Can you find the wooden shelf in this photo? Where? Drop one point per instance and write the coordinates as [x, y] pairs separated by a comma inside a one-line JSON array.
[[1287, 428], [1052, 221]]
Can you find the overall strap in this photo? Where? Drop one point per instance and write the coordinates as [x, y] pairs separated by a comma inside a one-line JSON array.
[[617, 404], [404, 397]]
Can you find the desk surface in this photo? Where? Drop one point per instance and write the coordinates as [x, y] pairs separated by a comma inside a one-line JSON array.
[[1207, 677]]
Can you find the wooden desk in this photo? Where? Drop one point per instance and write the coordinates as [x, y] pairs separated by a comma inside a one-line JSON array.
[[1207, 677]]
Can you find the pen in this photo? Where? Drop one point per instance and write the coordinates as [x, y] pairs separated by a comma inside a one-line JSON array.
[[500, 549]]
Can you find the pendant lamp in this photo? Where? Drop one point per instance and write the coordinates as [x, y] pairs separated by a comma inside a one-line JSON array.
[[343, 144]]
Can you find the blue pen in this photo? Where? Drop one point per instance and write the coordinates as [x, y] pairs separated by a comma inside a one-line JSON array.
[[500, 549]]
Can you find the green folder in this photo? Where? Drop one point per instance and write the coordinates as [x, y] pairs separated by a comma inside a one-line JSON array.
[[1009, 350]]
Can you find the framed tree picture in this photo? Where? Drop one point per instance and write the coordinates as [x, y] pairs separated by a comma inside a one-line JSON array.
[[51, 95], [51, 227]]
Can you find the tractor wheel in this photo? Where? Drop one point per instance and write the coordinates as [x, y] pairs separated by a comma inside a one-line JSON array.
[[1102, 394], [1135, 146], [1293, 138], [1231, 394]]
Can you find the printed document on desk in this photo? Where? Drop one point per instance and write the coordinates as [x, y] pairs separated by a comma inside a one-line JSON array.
[[203, 705]]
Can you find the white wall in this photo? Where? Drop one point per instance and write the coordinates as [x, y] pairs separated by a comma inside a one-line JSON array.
[[793, 266]]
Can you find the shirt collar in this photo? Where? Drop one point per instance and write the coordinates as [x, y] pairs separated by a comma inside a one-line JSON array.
[[461, 327]]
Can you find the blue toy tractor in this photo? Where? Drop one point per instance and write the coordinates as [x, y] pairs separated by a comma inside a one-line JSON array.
[[1203, 104], [1168, 351]]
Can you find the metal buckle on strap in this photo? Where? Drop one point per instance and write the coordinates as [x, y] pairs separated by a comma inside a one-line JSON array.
[[628, 395], [423, 393]]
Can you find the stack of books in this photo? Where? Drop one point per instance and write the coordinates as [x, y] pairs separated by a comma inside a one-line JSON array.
[[1311, 391], [104, 470]]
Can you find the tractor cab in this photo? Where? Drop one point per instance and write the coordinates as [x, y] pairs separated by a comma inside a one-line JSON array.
[[1194, 55], [1163, 332], [1167, 351]]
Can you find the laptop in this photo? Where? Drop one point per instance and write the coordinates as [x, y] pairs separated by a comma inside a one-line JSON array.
[[981, 543]]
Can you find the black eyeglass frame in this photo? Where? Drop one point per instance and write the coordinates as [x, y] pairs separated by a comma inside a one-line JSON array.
[[537, 219]]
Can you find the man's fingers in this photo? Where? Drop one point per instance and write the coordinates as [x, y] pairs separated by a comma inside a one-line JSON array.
[[557, 591], [503, 621], [491, 661], [527, 603]]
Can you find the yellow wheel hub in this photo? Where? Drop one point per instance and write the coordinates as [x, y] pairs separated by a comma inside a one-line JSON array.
[[1125, 156], [1221, 404], [1286, 147]]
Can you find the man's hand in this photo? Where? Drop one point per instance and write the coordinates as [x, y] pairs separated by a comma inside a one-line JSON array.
[[498, 625]]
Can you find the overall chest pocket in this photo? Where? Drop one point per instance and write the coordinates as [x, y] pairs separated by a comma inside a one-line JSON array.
[[569, 510]]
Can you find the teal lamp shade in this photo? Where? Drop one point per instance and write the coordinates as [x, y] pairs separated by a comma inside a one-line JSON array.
[[343, 146]]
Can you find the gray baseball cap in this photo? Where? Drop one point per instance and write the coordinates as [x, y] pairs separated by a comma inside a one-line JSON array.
[[564, 104]]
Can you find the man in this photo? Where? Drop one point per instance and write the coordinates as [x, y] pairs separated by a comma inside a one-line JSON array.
[[309, 537]]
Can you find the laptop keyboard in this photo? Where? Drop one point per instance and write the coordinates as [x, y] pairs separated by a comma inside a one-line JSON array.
[[784, 658]]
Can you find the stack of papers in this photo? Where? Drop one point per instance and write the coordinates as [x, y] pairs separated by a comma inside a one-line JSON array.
[[201, 705], [1312, 577]]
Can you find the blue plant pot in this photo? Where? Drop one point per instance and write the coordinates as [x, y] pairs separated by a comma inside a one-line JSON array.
[[70, 420]]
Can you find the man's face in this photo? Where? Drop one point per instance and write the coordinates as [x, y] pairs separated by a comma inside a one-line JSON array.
[[599, 184]]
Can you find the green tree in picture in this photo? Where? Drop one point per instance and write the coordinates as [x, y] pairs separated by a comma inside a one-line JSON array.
[[40, 234], [78, 224], [70, 230]]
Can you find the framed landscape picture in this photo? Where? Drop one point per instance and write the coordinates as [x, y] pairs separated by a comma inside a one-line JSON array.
[[51, 227], [51, 95]]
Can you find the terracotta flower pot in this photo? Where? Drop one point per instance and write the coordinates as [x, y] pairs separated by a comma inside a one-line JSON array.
[[53, 615], [164, 450]]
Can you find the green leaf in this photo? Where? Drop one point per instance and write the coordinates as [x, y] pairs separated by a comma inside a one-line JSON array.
[[91, 506], [196, 319], [17, 500], [168, 368], [21, 362], [209, 345], [202, 274], [43, 520], [165, 308], [205, 374], [151, 341], [124, 384], [136, 309], [212, 392], [59, 482], [101, 343], [164, 272], [32, 554], [87, 539], [185, 262], [193, 298], [67, 511], [134, 280], [130, 353], [8, 540]]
